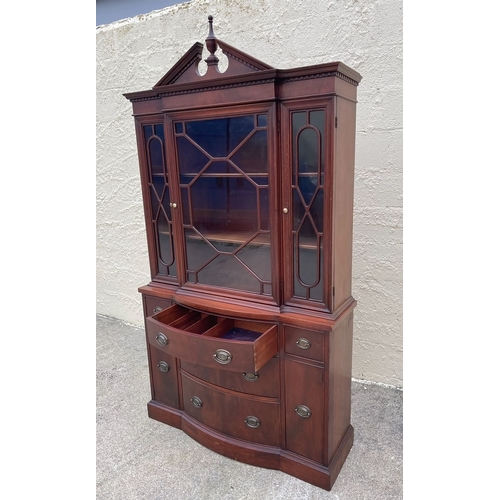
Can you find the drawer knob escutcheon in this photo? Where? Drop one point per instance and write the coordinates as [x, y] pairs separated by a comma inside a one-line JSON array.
[[252, 422], [251, 377], [303, 343], [222, 356], [163, 366], [303, 411], [157, 309], [196, 402], [161, 339]]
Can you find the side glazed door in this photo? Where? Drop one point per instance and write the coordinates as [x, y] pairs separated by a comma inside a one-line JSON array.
[[156, 185], [307, 186]]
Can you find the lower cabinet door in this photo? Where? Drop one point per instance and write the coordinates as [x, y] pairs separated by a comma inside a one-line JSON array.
[[164, 378], [243, 417], [305, 409]]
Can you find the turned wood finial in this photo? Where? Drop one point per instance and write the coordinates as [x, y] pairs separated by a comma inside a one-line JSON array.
[[211, 43]]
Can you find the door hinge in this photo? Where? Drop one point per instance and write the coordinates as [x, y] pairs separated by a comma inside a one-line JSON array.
[[333, 291], [335, 122]]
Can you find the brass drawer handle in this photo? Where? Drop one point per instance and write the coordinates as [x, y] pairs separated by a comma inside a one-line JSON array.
[[222, 356], [252, 422], [157, 309], [162, 339], [196, 402], [251, 377], [303, 411], [163, 366], [303, 343]]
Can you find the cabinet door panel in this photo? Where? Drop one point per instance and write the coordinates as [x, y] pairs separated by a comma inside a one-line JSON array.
[[224, 185], [164, 377], [157, 184], [306, 195], [305, 409]]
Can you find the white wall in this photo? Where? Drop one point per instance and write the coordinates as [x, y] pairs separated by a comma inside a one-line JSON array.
[[367, 35]]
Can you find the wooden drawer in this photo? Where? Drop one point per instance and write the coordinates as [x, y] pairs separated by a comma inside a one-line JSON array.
[[214, 341], [242, 417], [153, 305], [304, 343], [265, 382]]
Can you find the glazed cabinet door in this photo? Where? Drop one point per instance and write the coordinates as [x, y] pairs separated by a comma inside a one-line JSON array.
[[225, 174], [156, 185], [307, 143]]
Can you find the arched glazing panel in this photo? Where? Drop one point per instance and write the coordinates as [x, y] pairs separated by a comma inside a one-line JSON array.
[[308, 203]]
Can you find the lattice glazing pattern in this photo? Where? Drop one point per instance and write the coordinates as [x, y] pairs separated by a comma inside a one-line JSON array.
[[224, 182], [307, 202], [154, 139]]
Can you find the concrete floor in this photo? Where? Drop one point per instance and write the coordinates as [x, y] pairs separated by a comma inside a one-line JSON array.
[[140, 458]]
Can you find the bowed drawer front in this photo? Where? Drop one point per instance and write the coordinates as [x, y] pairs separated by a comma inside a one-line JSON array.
[[213, 341], [244, 417]]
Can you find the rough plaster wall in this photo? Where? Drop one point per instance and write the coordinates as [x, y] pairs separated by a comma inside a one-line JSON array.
[[367, 35]]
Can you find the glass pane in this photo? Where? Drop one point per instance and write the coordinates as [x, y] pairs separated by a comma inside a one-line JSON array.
[[308, 264], [148, 132], [186, 214], [220, 136], [165, 241], [298, 289], [220, 167], [307, 186], [262, 121], [156, 155], [224, 205], [191, 159], [256, 255], [198, 251], [154, 201], [318, 121], [298, 121], [158, 128], [252, 156], [316, 210], [264, 209], [226, 271], [298, 209], [316, 292], [308, 151]]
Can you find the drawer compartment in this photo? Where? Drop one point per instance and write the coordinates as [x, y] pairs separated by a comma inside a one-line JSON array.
[[304, 343], [265, 382], [242, 417], [213, 341]]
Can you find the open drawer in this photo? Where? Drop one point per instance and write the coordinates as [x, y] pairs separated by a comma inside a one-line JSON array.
[[210, 340]]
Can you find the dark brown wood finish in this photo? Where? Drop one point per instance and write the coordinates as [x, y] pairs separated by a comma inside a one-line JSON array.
[[256, 370]]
